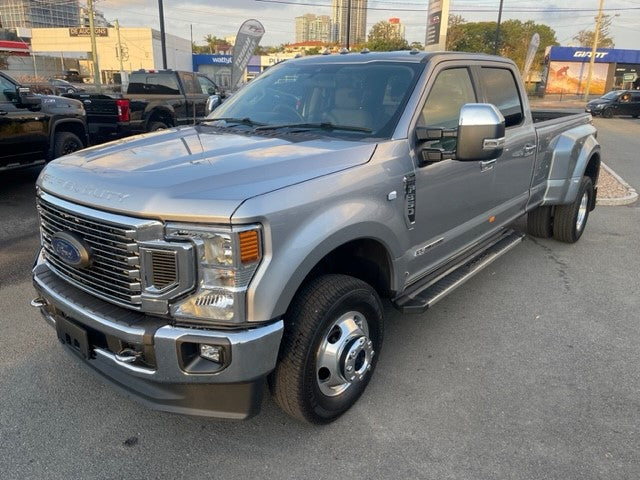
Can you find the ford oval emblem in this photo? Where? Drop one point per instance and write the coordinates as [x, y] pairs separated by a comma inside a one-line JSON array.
[[71, 249]]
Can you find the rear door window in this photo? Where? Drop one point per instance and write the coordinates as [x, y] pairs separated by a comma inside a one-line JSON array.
[[154, 83], [191, 84], [501, 90]]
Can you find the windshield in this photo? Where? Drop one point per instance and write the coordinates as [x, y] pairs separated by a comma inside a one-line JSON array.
[[353, 99], [611, 95]]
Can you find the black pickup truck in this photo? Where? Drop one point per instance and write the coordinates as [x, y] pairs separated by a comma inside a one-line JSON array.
[[154, 100], [37, 128]]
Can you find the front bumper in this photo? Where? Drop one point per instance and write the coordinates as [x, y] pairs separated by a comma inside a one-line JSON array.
[[169, 375]]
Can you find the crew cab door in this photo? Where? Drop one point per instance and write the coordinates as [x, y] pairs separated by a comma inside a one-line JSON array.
[[514, 168], [23, 133], [196, 101], [453, 199]]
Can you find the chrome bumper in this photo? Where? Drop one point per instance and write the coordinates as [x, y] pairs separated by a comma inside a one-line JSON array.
[[174, 378]]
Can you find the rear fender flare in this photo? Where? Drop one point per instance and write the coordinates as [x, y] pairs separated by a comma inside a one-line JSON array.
[[572, 152]]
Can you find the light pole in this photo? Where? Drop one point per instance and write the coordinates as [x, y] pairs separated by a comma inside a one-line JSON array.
[[594, 49], [94, 49], [163, 42], [495, 47], [348, 22]]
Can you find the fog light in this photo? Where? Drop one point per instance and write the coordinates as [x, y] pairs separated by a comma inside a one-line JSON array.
[[211, 352]]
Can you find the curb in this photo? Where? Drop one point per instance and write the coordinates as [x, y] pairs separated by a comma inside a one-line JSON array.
[[631, 196]]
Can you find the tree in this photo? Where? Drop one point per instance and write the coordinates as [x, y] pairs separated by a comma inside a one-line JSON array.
[[385, 37], [455, 31], [515, 37], [585, 37]]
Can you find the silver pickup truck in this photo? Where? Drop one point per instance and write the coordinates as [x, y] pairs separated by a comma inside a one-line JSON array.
[[194, 265]]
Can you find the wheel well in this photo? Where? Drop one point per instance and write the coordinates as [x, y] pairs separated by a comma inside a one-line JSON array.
[[364, 259], [161, 116], [76, 128], [593, 171]]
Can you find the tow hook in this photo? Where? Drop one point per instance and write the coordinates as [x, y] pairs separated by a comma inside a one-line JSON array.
[[38, 302], [128, 355]]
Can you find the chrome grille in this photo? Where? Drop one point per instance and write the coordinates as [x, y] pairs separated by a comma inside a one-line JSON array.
[[114, 273]]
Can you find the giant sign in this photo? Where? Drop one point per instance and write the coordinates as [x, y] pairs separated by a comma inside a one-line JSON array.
[[603, 55]]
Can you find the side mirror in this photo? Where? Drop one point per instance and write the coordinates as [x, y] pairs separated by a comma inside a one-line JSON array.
[[480, 132], [26, 99], [211, 90], [212, 102]]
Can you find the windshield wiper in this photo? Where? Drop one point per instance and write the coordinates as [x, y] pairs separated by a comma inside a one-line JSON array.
[[240, 121], [319, 125]]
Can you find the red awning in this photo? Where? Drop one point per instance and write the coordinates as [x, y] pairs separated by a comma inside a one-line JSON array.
[[11, 46]]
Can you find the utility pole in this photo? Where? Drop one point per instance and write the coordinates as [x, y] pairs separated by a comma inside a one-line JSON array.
[[497, 43], [163, 41], [348, 22], [594, 49], [117, 25], [94, 49]]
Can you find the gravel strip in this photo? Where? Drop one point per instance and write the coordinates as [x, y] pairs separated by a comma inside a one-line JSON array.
[[613, 190]]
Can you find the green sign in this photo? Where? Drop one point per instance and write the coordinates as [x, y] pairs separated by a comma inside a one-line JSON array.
[[629, 77]]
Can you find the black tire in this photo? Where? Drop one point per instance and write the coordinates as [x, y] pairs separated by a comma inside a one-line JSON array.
[[570, 220], [540, 222], [65, 143], [607, 113], [298, 384], [153, 126]]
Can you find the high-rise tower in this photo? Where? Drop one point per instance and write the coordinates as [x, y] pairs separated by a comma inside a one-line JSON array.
[[358, 21]]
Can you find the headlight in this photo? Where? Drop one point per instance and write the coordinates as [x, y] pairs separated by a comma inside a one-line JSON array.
[[227, 260], [599, 106]]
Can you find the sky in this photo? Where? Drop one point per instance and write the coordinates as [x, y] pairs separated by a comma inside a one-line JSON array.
[[223, 17]]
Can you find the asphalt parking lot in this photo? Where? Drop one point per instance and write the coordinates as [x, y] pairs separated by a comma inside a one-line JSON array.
[[530, 371]]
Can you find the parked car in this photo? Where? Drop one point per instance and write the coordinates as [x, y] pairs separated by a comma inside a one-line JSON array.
[[62, 86], [37, 128], [617, 102], [154, 100], [192, 266]]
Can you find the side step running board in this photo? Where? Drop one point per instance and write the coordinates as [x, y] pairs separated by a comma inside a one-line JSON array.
[[420, 300]]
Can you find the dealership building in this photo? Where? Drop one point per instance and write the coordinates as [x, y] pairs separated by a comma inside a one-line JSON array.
[[141, 48], [566, 70]]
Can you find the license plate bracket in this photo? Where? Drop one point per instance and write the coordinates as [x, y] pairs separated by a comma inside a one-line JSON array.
[[74, 337]]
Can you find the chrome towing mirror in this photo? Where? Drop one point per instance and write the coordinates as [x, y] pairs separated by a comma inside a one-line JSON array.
[[481, 130]]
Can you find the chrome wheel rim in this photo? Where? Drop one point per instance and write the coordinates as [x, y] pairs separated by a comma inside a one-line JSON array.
[[344, 355], [582, 212]]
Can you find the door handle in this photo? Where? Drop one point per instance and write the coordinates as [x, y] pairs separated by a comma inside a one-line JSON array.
[[529, 149], [487, 165]]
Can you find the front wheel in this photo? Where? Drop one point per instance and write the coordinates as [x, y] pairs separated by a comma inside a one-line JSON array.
[[65, 143], [333, 336], [155, 126], [570, 220], [607, 113]]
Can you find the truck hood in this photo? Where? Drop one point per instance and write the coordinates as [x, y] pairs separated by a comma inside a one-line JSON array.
[[194, 173]]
